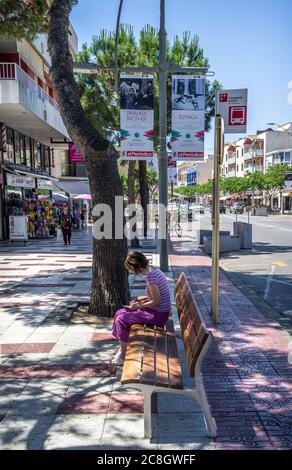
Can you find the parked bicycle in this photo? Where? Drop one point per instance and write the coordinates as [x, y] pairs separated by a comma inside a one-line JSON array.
[[171, 228]]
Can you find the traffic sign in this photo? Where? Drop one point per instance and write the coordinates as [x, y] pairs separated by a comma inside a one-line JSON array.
[[232, 107]]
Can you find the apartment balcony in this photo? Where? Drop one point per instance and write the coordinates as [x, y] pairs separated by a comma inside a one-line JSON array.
[[231, 161], [25, 106], [248, 169], [253, 154]]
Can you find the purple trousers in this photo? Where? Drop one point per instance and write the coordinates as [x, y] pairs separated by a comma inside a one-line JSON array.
[[125, 317]]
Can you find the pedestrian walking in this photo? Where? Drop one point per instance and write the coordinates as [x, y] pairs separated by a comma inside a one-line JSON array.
[[65, 222], [152, 309]]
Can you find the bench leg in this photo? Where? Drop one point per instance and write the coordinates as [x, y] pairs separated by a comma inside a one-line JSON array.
[[147, 413], [209, 420]]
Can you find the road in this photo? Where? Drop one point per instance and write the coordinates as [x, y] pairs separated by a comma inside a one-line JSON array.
[[266, 269]]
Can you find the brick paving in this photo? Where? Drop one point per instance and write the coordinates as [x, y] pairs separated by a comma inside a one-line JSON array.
[[59, 391], [246, 372]]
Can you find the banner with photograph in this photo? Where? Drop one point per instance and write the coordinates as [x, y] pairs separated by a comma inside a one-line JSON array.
[[188, 117], [137, 117]]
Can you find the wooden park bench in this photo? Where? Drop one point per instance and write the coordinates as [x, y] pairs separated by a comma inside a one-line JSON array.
[[152, 360]]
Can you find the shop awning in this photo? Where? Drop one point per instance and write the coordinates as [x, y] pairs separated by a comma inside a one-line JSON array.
[[73, 188], [17, 171]]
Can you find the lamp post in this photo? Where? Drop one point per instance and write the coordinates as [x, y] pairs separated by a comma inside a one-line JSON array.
[[279, 126], [163, 69]]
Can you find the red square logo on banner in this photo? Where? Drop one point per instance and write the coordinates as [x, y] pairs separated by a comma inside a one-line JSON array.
[[223, 97]]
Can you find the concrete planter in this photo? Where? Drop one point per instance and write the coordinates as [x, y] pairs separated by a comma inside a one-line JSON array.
[[226, 243], [259, 211], [244, 231], [200, 234]]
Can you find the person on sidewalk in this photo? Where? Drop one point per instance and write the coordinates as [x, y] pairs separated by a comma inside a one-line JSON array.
[[65, 222], [152, 309]]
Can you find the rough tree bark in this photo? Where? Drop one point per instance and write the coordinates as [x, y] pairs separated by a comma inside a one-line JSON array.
[[144, 191], [131, 196], [110, 287]]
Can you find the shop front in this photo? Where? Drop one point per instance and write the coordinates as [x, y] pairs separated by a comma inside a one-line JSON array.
[[26, 196]]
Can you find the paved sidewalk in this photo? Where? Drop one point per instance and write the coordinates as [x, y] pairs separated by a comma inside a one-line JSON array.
[[246, 373], [59, 391]]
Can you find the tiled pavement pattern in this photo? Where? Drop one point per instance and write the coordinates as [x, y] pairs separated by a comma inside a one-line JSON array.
[[58, 391], [246, 372], [57, 388]]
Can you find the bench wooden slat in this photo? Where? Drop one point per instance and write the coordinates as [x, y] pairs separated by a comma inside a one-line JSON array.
[[175, 373], [133, 360], [148, 367], [161, 359]]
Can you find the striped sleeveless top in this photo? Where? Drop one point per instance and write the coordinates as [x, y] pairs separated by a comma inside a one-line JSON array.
[[157, 277]]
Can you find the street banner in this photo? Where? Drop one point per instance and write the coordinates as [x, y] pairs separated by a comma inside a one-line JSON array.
[[75, 155], [137, 117], [188, 117], [172, 176], [232, 107], [170, 162], [288, 181]]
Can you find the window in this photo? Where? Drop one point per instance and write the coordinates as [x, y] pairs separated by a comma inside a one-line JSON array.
[[46, 159], [29, 160], [9, 154], [281, 156], [287, 156], [22, 149], [17, 147], [242, 167]]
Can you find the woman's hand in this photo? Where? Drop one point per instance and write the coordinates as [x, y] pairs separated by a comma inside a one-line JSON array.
[[135, 305]]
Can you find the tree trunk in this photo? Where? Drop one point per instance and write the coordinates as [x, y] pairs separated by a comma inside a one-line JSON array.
[[131, 196], [144, 192], [110, 288]]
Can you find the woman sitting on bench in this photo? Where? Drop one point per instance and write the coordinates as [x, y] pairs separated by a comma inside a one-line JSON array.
[[153, 309]]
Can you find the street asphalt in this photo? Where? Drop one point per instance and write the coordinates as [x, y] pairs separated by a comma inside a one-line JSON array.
[[264, 273]]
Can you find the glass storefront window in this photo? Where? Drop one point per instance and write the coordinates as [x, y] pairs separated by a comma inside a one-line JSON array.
[[29, 160], [47, 159], [39, 155], [9, 154], [17, 147], [22, 149]]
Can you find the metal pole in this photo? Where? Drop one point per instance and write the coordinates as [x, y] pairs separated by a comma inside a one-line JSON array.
[[218, 154], [253, 162], [163, 189], [117, 45]]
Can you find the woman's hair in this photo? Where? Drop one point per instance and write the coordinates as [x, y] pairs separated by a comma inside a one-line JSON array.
[[136, 262]]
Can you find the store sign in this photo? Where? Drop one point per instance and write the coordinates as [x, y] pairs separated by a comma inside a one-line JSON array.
[[188, 117], [137, 117], [20, 181], [75, 155], [232, 107], [45, 184], [18, 227], [288, 181]]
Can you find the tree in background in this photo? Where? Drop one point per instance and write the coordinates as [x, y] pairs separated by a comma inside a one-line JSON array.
[[98, 95], [110, 287], [23, 19], [274, 181]]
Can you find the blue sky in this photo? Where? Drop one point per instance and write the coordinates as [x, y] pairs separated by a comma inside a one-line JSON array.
[[248, 43]]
